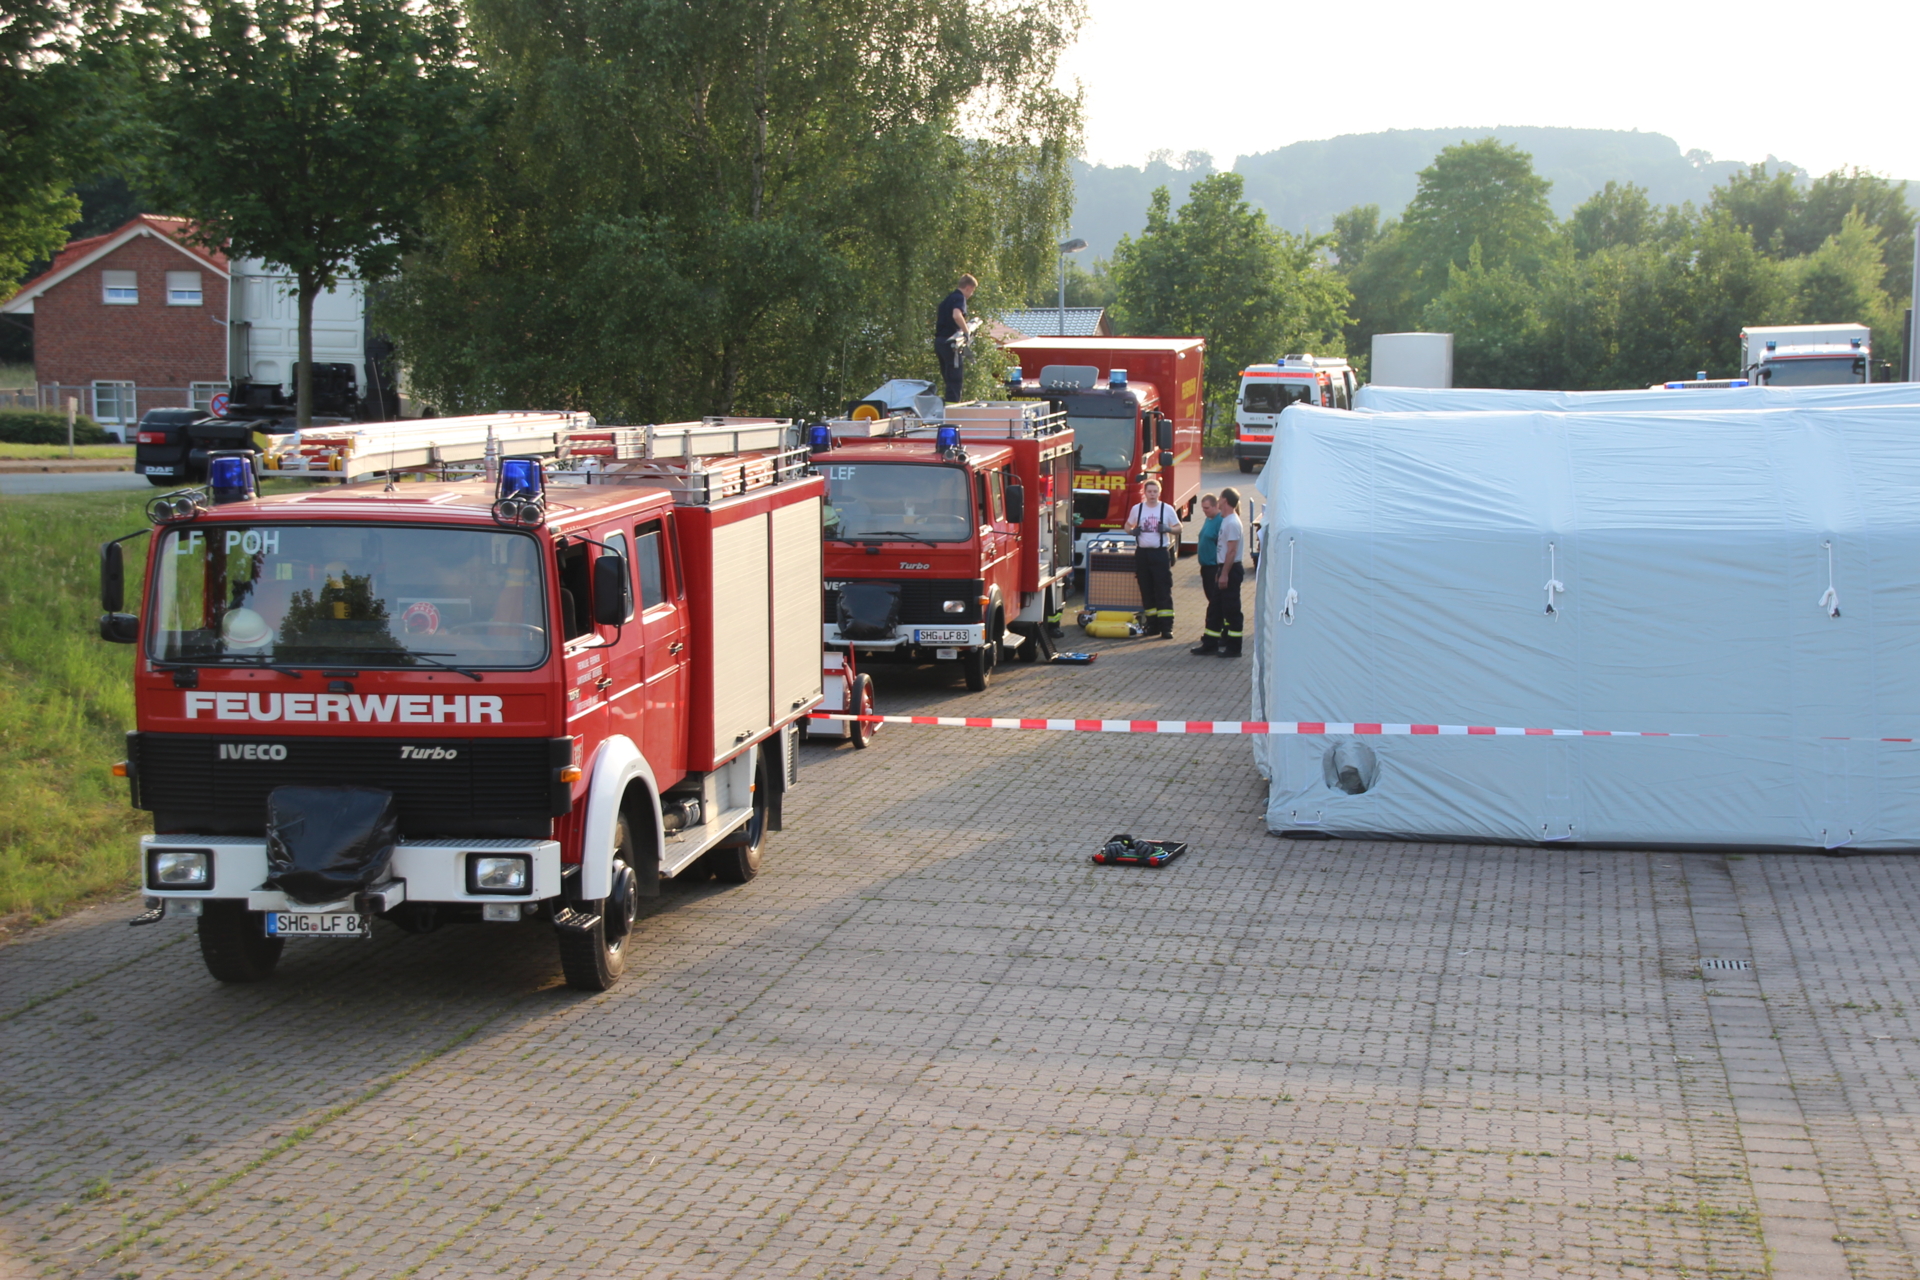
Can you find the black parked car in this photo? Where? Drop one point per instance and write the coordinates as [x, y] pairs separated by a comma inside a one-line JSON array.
[[160, 445]]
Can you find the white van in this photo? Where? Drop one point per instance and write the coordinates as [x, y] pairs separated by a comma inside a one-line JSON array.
[[1266, 389]]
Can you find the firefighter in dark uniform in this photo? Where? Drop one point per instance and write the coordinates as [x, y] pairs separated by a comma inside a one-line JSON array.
[[1155, 527]]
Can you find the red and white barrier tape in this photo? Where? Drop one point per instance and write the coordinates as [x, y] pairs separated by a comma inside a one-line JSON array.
[[1289, 728]]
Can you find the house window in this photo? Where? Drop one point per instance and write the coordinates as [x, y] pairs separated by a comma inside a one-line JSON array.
[[113, 402], [203, 393], [120, 288], [183, 288]]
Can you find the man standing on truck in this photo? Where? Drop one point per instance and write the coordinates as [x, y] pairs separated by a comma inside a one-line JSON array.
[[949, 322], [1155, 527]]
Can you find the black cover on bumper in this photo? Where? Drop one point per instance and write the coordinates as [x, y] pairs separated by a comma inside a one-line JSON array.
[[324, 843]]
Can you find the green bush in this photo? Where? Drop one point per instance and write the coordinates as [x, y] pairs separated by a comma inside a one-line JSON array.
[[47, 426]]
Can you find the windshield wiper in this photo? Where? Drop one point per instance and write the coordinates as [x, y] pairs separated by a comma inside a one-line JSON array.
[[431, 660], [876, 535], [237, 659]]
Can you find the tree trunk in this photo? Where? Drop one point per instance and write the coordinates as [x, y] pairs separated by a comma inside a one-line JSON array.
[[303, 371], [729, 378]]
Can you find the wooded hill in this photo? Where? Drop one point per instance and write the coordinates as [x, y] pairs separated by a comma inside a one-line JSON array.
[[1302, 186]]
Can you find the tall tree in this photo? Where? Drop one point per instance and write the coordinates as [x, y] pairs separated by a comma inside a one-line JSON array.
[[1483, 193], [312, 134], [1841, 283], [63, 109], [1216, 268], [1762, 202], [1613, 217], [1494, 314], [750, 205]]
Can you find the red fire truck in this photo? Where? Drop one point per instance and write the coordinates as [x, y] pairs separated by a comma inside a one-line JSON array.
[[1136, 407], [527, 698], [948, 536]]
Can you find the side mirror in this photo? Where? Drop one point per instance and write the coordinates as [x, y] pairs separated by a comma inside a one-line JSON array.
[[1165, 437], [113, 578], [1166, 457], [1016, 504], [612, 591], [119, 628]]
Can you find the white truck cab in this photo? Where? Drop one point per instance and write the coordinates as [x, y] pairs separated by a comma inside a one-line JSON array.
[[1806, 355], [1267, 389]]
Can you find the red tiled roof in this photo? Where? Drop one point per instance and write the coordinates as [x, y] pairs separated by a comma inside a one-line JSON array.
[[175, 229]]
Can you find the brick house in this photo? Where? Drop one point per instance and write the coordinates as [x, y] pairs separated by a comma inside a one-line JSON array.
[[129, 321]]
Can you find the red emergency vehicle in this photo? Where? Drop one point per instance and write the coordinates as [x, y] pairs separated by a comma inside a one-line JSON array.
[[555, 689], [1137, 410], [947, 540]]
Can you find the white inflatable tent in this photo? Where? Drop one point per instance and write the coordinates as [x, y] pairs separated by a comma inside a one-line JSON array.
[[1480, 399], [1748, 574]]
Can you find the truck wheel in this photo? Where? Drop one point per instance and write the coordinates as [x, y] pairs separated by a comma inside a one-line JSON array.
[[978, 665], [863, 730], [593, 959], [1246, 466], [234, 942], [739, 863]]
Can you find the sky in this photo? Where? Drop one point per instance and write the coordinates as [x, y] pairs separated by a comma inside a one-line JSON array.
[[1821, 86]]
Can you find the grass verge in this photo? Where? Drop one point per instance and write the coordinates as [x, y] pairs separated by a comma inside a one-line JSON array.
[[36, 452], [67, 833]]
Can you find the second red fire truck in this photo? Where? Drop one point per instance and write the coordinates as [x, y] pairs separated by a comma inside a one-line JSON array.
[[1137, 410], [948, 535], [526, 697]]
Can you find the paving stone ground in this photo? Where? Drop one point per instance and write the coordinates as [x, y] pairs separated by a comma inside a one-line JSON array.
[[931, 1040]]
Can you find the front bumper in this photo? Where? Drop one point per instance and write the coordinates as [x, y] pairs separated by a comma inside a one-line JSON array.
[[913, 635], [424, 871]]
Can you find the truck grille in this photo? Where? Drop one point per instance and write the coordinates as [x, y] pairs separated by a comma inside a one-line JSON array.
[[921, 598], [217, 785]]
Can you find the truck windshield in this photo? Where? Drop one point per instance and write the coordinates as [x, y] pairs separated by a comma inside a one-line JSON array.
[[1814, 372], [904, 501], [349, 596], [1272, 397]]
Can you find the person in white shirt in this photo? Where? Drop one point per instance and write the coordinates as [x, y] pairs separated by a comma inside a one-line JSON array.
[[1155, 527], [1225, 621]]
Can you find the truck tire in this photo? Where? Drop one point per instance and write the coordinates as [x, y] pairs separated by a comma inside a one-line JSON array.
[[234, 942], [593, 959], [978, 666], [1246, 466], [862, 703], [737, 863]]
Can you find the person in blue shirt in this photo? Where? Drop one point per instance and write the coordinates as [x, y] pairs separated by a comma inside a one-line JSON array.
[[949, 320], [1209, 564]]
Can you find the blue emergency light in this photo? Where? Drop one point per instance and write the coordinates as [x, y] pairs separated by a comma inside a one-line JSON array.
[[521, 478], [1014, 376], [1117, 380], [230, 476], [946, 438], [819, 439]]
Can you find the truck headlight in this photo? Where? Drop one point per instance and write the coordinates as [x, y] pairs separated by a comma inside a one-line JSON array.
[[953, 606], [499, 873], [179, 869]]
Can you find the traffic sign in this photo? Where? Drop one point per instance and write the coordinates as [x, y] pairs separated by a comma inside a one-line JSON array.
[[218, 405]]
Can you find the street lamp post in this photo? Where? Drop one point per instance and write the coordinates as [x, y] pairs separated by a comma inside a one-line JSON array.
[[1072, 246]]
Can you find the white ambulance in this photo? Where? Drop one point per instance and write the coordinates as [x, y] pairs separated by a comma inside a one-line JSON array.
[[1266, 389]]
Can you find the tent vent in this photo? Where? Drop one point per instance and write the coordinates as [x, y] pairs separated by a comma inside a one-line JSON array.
[[1726, 964]]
